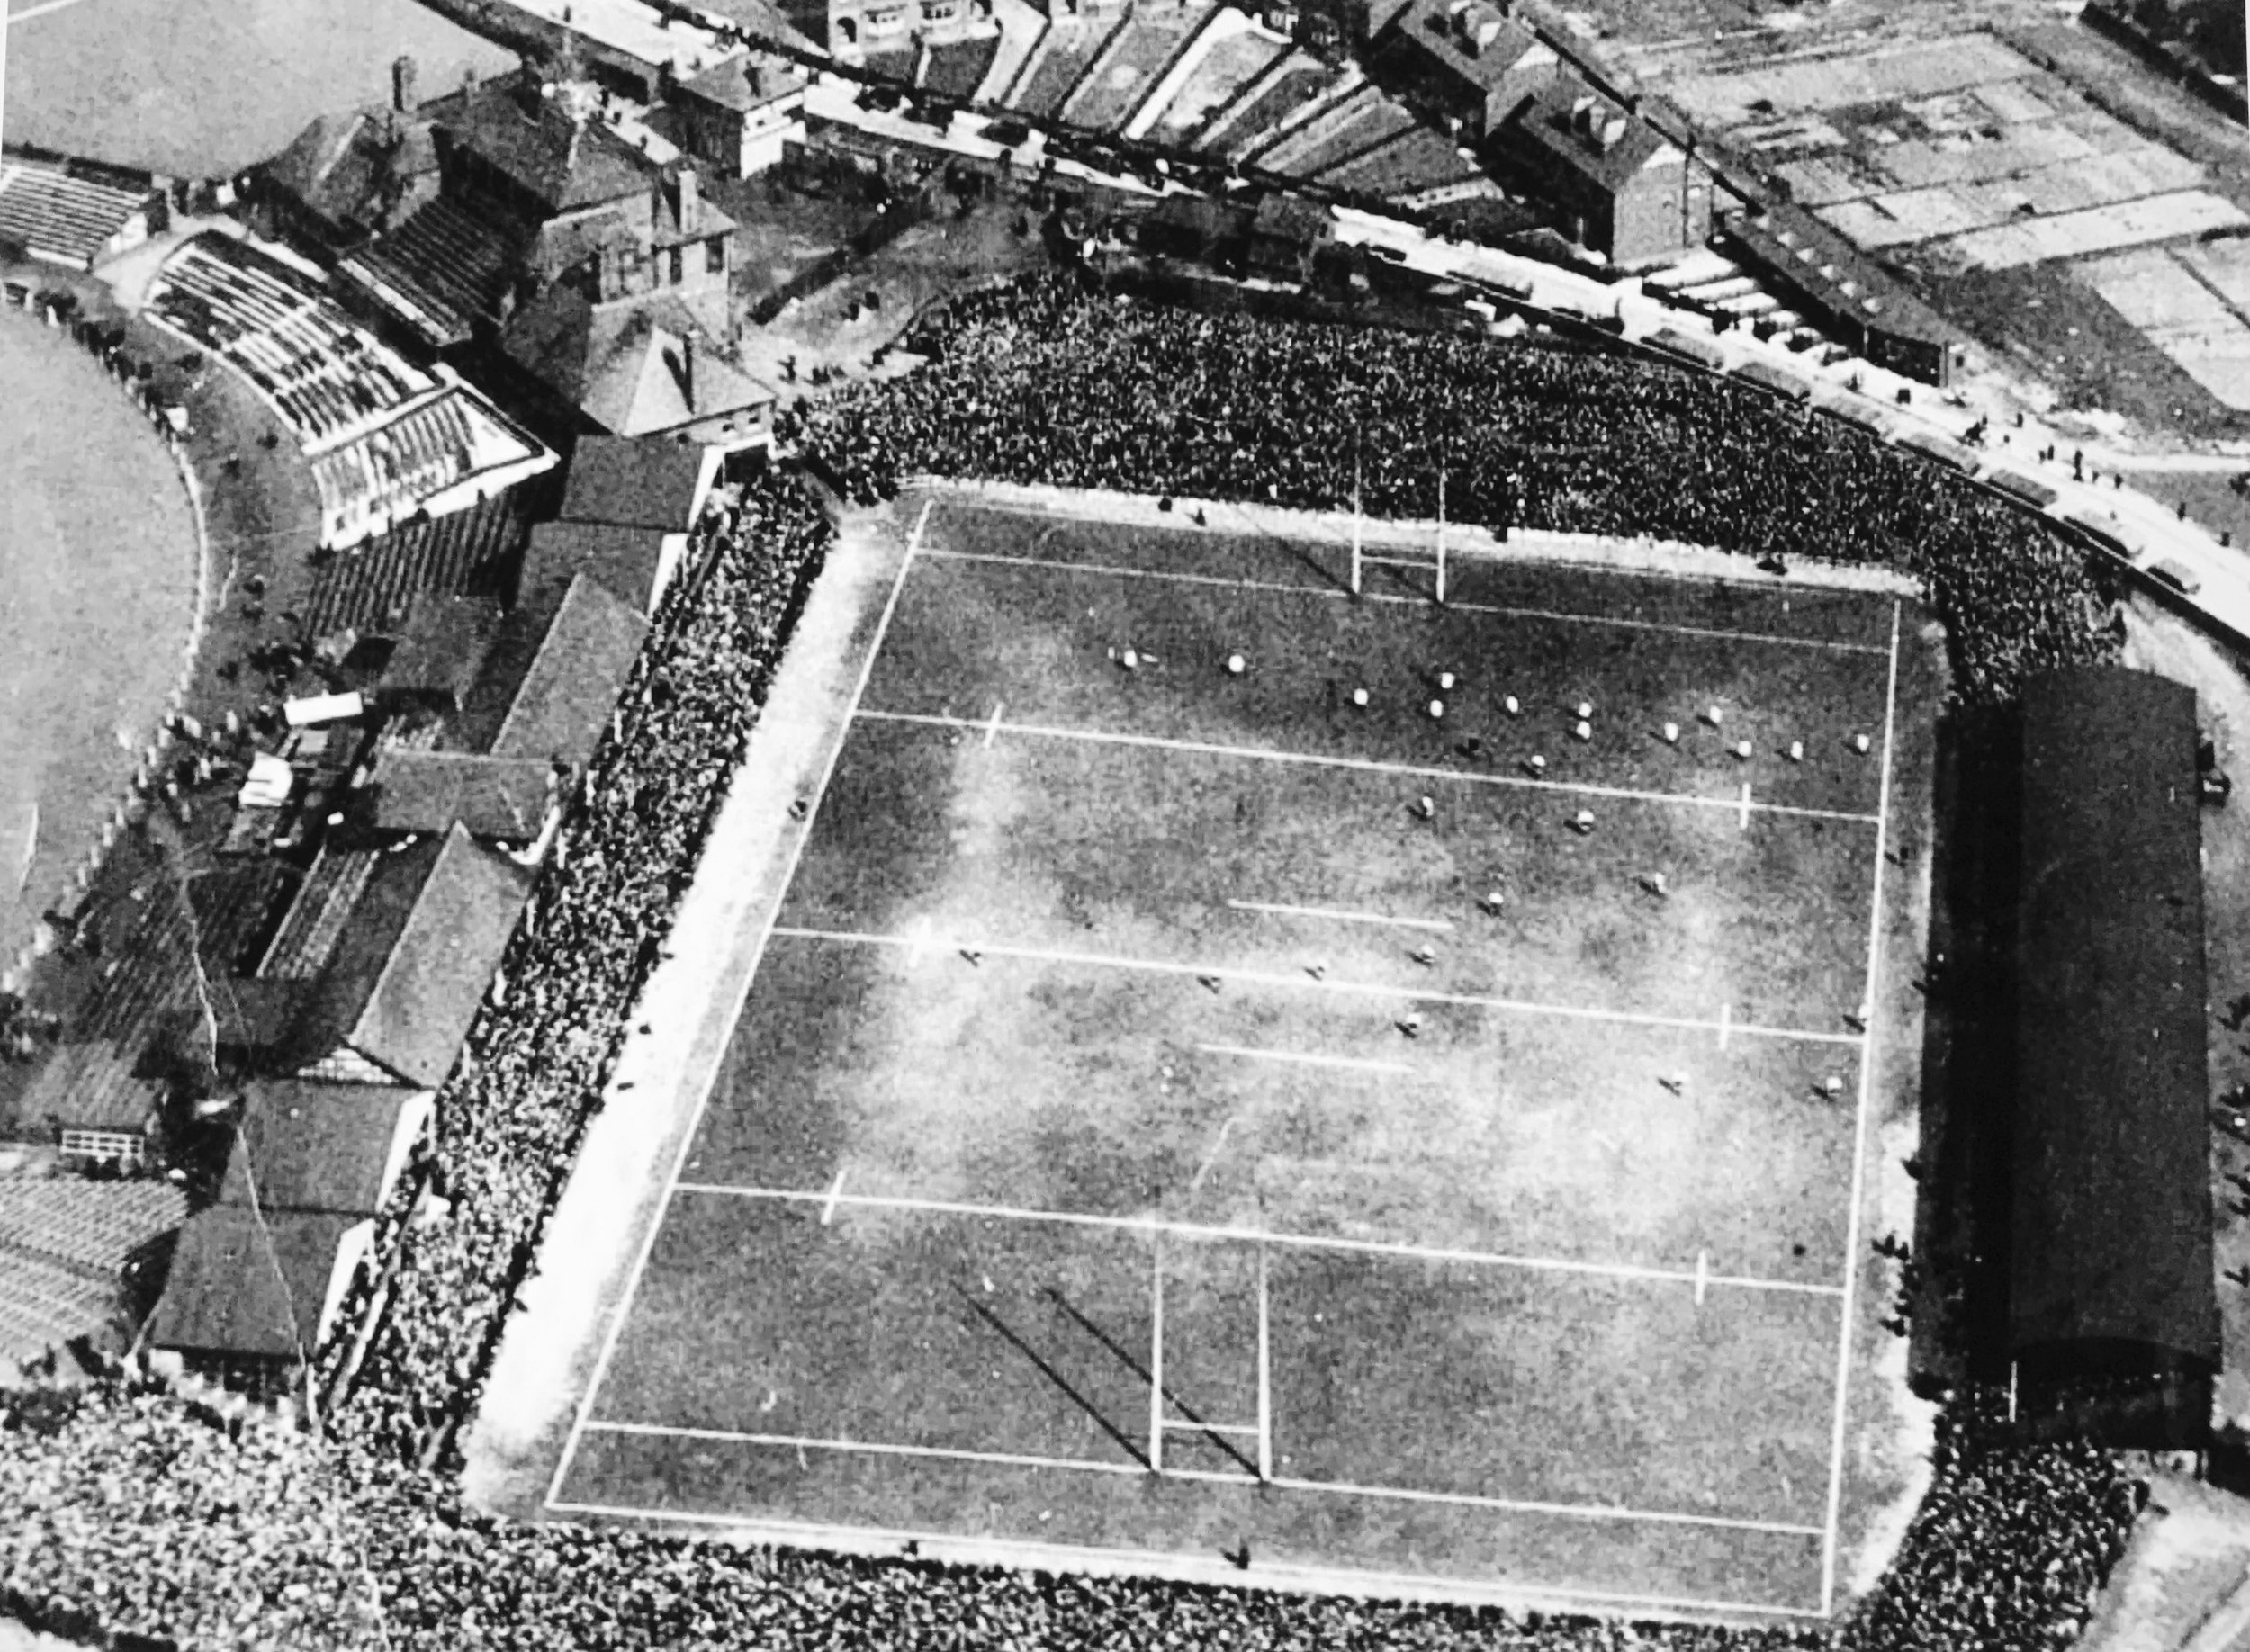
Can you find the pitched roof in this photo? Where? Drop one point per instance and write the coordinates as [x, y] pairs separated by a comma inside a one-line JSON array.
[[2111, 1188], [1472, 42], [337, 166], [441, 643], [628, 562], [631, 483], [624, 365], [249, 1285], [418, 1010], [562, 162], [312, 1146], [1551, 126], [746, 81], [429, 791], [566, 699]]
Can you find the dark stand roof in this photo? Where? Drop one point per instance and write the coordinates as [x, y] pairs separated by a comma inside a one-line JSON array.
[[632, 483], [625, 562], [309, 1146], [493, 797], [246, 1287], [2111, 1240]]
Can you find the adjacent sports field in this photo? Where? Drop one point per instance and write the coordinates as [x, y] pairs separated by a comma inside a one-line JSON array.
[[1146, 1132]]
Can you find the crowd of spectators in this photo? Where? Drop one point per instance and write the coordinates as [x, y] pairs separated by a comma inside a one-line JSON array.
[[135, 1510], [508, 1122], [1049, 382]]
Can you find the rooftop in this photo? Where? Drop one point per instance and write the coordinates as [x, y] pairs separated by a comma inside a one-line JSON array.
[[316, 1147], [1590, 135]]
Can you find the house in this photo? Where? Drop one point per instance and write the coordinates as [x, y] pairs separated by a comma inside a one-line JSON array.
[[1463, 65], [1622, 189], [351, 175], [736, 116], [634, 369], [855, 28]]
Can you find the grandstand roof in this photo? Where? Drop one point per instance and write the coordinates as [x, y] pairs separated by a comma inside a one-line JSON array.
[[2112, 1244], [316, 1147], [746, 81], [429, 791], [627, 483], [628, 562], [65, 214], [1791, 243], [442, 641], [567, 695], [247, 1286], [412, 961]]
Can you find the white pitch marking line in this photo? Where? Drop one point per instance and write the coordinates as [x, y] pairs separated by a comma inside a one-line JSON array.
[[1304, 982], [1859, 1143], [1440, 926], [1326, 593], [1746, 806], [30, 12], [835, 1192], [1578, 1510], [1012, 1459], [1703, 1274], [750, 977], [1299, 1058], [1726, 1021], [1205, 1231], [1203, 1169], [1186, 1427], [992, 729], [1156, 1563], [1366, 766]]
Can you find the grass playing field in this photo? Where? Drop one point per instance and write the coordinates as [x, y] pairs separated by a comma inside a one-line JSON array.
[[1146, 1133]]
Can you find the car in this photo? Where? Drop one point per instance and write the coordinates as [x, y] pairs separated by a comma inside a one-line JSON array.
[[2179, 577]]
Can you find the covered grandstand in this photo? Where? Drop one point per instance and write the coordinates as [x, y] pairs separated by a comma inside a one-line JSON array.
[[2111, 1246]]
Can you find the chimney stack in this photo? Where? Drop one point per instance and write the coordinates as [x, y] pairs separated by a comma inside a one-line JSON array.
[[687, 369], [690, 202], [404, 92]]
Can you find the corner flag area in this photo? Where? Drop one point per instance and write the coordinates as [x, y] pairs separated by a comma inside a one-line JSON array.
[[1377, 1091]]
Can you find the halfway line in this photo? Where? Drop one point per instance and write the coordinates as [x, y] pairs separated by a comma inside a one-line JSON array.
[[1268, 754], [1302, 1060], [1302, 983], [1252, 1236], [1439, 924]]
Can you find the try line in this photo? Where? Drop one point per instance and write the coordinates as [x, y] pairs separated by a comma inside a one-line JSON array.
[[1368, 765], [1011, 1460], [1304, 982], [1332, 594], [1205, 1231]]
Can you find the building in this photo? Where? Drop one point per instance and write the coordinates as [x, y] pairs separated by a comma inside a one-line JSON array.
[[398, 947], [1464, 64], [351, 176], [1287, 236], [257, 1278], [2111, 1255], [1842, 291], [737, 116], [1621, 188], [632, 369], [856, 28]]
